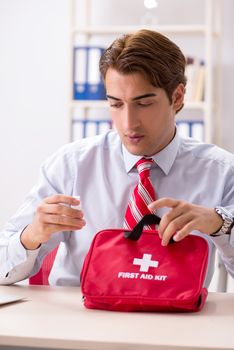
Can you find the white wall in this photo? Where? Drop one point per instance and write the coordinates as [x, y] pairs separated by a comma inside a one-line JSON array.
[[34, 91]]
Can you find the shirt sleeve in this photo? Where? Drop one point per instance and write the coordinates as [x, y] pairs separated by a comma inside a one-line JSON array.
[[225, 247], [16, 262], [225, 243]]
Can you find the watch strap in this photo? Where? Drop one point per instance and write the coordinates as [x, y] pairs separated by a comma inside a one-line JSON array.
[[228, 222]]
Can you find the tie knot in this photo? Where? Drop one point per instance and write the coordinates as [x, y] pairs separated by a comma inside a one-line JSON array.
[[143, 167]]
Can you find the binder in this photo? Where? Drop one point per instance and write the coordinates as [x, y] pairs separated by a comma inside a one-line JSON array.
[[191, 128], [200, 83], [195, 73], [87, 82], [89, 127]]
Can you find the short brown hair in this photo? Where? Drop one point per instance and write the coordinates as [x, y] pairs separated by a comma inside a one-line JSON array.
[[149, 53]]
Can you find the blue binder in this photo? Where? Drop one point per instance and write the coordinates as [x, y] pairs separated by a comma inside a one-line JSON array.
[[87, 82], [89, 127], [191, 128]]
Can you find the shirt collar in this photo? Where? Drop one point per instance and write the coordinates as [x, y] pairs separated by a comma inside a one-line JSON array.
[[164, 159]]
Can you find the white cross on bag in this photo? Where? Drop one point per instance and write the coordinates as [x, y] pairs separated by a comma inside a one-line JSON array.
[[145, 263]]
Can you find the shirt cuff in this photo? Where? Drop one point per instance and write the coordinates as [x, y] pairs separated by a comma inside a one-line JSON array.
[[224, 240], [17, 252], [19, 261]]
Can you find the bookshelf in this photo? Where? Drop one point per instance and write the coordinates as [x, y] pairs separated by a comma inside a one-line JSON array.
[[206, 34]]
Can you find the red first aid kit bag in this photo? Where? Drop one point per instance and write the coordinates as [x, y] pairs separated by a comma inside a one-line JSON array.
[[131, 271]]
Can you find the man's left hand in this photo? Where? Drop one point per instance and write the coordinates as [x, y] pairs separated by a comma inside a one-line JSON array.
[[183, 218]]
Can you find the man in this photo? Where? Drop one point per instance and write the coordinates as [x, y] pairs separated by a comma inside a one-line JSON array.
[[145, 85]]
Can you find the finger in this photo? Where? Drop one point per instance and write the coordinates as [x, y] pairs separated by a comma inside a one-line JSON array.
[[51, 228], [185, 231], [163, 202], [62, 198], [63, 220], [168, 218], [173, 227], [70, 228], [60, 209]]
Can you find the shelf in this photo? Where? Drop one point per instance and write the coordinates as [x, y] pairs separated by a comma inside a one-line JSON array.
[[172, 29], [104, 104], [209, 32], [90, 103], [195, 105]]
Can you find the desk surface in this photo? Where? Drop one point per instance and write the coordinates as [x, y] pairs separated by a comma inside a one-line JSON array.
[[54, 317]]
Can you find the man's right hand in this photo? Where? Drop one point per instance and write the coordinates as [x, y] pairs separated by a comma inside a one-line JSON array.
[[54, 214]]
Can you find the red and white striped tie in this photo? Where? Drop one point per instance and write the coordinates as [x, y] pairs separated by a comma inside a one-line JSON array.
[[142, 195]]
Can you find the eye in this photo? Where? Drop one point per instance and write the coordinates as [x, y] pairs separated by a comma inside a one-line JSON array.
[[116, 104], [145, 104]]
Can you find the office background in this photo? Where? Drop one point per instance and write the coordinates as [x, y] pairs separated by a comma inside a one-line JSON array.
[[35, 80]]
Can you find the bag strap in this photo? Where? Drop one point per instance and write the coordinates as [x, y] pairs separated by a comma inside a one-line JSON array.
[[136, 232]]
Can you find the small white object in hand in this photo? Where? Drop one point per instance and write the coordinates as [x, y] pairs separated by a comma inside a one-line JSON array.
[[76, 206]]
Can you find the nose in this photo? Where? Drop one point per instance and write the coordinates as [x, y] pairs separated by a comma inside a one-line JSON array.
[[131, 118]]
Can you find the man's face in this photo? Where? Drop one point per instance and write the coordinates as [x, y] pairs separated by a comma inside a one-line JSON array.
[[141, 113]]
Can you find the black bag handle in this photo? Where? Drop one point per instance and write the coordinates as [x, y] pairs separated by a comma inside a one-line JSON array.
[[136, 232]]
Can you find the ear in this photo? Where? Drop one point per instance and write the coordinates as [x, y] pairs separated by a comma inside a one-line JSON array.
[[178, 97]]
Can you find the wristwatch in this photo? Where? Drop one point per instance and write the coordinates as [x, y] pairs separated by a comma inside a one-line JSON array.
[[228, 222]]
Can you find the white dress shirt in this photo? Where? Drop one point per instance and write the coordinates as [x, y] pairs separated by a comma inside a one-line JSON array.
[[102, 172]]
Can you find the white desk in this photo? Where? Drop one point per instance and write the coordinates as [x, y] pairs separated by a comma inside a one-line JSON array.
[[54, 317]]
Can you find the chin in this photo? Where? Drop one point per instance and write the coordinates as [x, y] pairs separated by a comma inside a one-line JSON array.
[[136, 151]]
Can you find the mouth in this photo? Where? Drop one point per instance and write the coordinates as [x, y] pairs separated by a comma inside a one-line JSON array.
[[134, 138]]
